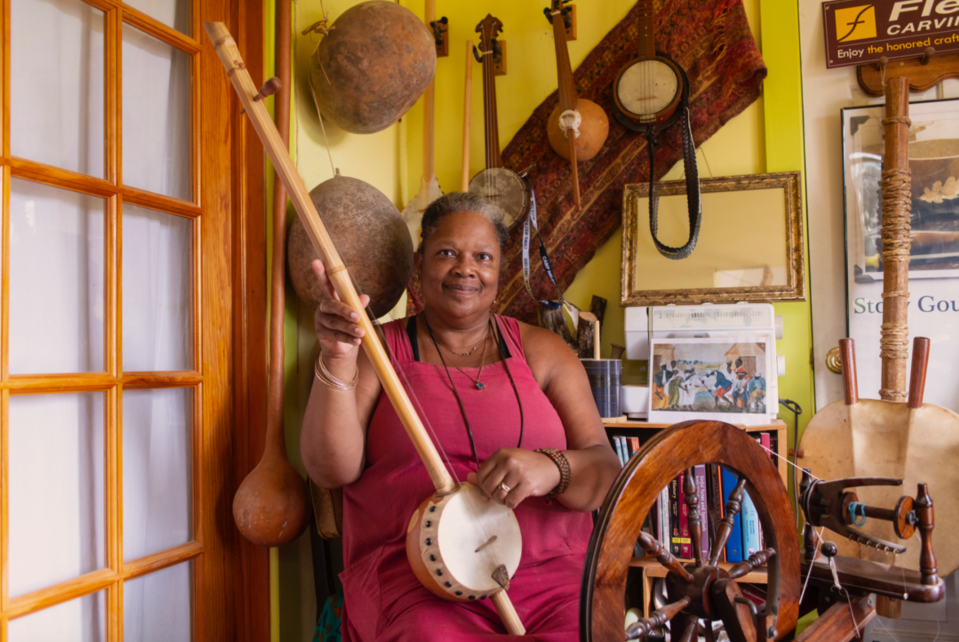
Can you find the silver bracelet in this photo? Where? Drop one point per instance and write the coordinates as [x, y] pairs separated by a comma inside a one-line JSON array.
[[327, 378]]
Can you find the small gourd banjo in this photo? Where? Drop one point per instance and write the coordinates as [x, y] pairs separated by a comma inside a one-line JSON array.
[[501, 185], [650, 94], [459, 546]]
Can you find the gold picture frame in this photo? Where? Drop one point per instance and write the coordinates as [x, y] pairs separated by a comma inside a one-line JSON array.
[[750, 245]]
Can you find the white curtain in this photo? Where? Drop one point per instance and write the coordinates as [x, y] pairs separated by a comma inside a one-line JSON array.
[[56, 447]]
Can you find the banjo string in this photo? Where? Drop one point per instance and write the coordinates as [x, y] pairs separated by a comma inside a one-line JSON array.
[[489, 542]]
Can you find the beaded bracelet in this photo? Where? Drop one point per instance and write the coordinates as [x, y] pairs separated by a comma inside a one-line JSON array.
[[562, 463], [327, 378]]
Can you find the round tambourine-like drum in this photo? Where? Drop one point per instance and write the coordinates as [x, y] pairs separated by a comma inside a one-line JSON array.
[[648, 90], [505, 188], [455, 543]]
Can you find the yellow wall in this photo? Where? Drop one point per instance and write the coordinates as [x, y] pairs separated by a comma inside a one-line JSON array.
[[766, 137]]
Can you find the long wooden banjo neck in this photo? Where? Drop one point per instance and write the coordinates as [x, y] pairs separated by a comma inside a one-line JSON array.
[[489, 28], [646, 37], [577, 128], [447, 490]]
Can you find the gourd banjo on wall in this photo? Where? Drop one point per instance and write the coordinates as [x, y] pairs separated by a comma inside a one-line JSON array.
[[650, 94]]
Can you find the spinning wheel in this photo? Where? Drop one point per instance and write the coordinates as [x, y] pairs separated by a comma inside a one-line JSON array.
[[697, 590]]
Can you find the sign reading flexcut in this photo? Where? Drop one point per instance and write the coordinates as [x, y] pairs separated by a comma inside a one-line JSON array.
[[859, 31]]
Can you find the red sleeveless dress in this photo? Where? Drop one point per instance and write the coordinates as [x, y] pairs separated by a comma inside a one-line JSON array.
[[383, 599]]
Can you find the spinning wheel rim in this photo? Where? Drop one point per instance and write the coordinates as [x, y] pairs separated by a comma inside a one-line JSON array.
[[620, 519]]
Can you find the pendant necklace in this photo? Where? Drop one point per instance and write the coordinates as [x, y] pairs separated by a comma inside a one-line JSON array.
[[479, 385], [462, 354], [459, 402]]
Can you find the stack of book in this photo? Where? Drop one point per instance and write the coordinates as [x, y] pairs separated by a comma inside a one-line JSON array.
[[668, 520]]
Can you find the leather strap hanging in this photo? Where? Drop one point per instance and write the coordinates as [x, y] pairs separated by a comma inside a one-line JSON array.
[[693, 203]]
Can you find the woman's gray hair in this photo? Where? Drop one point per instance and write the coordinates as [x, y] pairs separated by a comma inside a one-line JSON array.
[[462, 202]]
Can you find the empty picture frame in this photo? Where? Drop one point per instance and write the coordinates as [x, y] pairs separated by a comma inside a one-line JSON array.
[[750, 245]]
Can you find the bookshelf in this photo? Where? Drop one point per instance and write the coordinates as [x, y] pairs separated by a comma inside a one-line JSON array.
[[650, 568]]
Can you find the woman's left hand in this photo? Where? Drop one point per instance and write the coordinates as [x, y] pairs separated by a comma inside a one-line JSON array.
[[511, 475]]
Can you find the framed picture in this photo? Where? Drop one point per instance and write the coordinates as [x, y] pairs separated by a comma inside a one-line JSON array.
[[934, 255], [934, 162], [722, 378], [750, 245]]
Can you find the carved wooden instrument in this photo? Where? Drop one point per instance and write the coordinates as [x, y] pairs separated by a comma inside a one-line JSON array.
[[476, 544], [429, 186], [648, 89], [912, 441], [500, 185], [577, 128]]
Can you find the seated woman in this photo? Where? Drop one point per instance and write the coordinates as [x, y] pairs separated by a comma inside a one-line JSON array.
[[495, 391]]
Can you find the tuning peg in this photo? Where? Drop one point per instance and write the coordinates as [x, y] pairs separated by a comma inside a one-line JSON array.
[[548, 14], [497, 50], [269, 88], [477, 54]]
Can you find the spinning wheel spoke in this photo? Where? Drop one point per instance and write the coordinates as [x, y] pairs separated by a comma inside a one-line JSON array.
[[693, 519], [755, 561], [690, 633], [657, 619], [652, 546], [733, 506]]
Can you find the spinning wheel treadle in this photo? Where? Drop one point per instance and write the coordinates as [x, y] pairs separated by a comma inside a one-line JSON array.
[[697, 590]]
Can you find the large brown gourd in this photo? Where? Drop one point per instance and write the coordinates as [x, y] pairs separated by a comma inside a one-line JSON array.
[[371, 236], [376, 61]]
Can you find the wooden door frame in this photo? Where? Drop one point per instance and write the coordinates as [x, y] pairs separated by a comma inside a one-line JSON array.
[[235, 572]]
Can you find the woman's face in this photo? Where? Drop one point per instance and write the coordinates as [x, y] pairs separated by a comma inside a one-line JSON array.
[[459, 265]]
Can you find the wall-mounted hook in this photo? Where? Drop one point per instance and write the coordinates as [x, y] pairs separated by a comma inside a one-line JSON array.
[[441, 35], [930, 52]]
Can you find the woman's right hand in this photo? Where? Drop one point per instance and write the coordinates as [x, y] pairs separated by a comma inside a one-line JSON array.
[[335, 323]]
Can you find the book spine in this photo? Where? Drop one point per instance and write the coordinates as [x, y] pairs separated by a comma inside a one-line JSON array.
[[633, 445], [750, 526], [619, 450], [664, 534], [703, 492], [685, 548], [675, 538], [714, 502], [734, 545]]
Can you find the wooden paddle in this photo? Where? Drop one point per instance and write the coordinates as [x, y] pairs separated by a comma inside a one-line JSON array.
[[429, 186], [467, 114]]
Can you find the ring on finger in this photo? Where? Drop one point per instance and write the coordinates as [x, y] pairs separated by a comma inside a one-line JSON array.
[[505, 488]]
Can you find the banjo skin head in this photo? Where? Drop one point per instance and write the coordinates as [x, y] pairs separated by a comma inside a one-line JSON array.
[[506, 189], [628, 94], [445, 544]]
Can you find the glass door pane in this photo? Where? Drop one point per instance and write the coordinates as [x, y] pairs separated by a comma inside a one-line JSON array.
[[56, 280], [157, 291], [56, 84], [157, 464], [157, 124], [82, 620], [56, 489], [159, 607]]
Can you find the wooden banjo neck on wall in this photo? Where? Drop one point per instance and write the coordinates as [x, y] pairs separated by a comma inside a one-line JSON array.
[[500, 185], [649, 88], [577, 128]]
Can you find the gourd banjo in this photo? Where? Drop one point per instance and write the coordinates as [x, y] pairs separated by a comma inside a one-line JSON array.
[[460, 547], [502, 186], [650, 94]]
